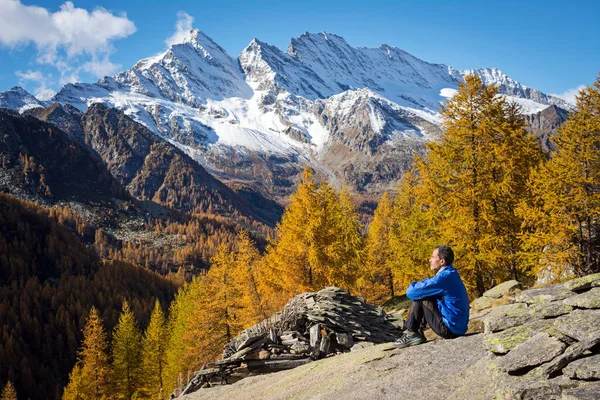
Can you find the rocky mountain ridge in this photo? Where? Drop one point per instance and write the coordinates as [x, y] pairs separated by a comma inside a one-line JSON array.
[[106, 156], [356, 115]]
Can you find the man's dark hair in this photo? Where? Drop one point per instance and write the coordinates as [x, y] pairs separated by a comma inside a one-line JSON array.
[[446, 253]]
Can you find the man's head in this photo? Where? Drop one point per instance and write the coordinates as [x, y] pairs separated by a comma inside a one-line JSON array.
[[442, 256]]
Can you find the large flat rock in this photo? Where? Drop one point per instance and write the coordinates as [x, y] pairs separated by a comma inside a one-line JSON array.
[[429, 371], [583, 283], [580, 324], [587, 391], [504, 341], [547, 293], [589, 299], [584, 368], [514, 317], [540, 348], [573, 352], [482, 303]]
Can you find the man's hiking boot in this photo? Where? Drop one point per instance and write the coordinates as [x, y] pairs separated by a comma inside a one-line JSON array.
[[409, 338]]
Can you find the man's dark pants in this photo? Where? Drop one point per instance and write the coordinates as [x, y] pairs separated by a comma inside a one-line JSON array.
[[426, 312]]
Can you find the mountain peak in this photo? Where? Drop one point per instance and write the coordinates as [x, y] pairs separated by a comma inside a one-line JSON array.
[[19, 99]]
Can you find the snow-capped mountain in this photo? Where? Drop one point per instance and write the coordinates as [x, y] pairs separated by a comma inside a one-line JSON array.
[[19, 99], [354, 114]]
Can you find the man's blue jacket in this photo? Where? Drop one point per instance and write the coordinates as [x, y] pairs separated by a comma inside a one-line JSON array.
[[451, 294]]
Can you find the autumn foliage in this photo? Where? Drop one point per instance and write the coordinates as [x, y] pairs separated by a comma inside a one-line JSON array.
[[485, 188]]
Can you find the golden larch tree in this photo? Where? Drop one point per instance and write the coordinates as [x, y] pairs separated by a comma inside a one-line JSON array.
[[562, 220], [376, 282], [473, 178], [9, 392], [412, 235], [288, 270], [92, 376], [154, 345], [127, 360]]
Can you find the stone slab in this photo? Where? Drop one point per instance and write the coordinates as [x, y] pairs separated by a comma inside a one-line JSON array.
[[583, 283], [546, 293], [580, 324], [585, 368], [514, 317], [482, 303], [539, 349], [589, 299], [504, 341], [500, 290], [589, 391], [572, 353]]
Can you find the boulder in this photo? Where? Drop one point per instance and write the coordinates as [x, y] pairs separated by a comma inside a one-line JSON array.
[[546, 293], [539, 349], [482, 303], [500, 290], [589, 299], [505, 341], [572, 353], [513, 317], [580, 324], [584, 392], [583, 283], [585, 368]]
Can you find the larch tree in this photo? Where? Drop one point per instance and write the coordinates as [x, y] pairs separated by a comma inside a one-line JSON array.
[[154, 360], [9, 392], [288, 270], [92, 376], [347, 247], [246, 276], [473, 179], [376, 282], [179, 310], [127, 361], [211, 307], [412, 235], [318, 242], [562, 220]]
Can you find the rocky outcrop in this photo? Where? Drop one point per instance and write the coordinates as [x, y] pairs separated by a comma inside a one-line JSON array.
[[544, 124], [40, 162], [553, 355], [310, 327]]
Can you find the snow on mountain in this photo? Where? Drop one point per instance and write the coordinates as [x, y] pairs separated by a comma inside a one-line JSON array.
[[187, 73], [315, 104], [388, 71], [515, 90], [19, 99], [269, 69]]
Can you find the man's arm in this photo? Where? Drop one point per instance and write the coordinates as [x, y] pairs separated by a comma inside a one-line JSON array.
[[429, 287]]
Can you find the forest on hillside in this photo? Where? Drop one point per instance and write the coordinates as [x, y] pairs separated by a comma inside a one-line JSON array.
[[486, 188]]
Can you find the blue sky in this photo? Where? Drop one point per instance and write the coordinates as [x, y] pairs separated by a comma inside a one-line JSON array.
[[549, 45]]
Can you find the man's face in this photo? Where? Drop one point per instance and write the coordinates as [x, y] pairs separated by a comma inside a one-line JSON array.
[[435, 262]]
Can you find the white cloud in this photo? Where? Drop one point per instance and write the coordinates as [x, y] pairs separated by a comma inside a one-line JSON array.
[[570, 95], [182, 28], [36, 77], [69, 36], [100, 67]]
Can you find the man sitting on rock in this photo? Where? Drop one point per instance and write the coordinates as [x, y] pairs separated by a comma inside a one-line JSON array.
[[441, 302]]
